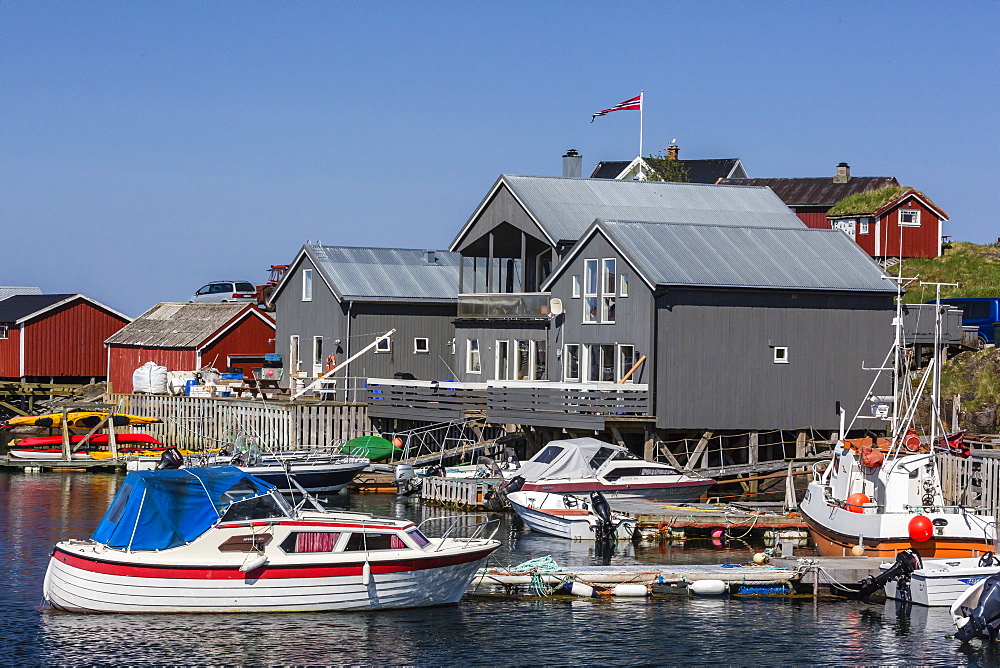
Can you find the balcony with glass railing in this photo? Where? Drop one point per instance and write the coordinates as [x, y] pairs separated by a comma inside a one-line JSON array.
[[504, 306]]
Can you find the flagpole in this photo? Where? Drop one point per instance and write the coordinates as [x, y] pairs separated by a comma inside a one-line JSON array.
[[640, 133]]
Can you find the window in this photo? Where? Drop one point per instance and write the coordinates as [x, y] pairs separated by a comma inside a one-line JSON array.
[[384, 345], [590, 290], [623, 289], [310, 541], [548, 454], [538, 367], [909, 218], [571, 362], [417, 537], [601, 362], [3, 331], [421, 345], [366, 542], [293, 353], [863, 226], [307, 285], [246, 287], [318, 352], [503, 360], [522, 364], [597, 461], [472, 364], [781, 355], [626, 359], [609, 288], [576, 286]]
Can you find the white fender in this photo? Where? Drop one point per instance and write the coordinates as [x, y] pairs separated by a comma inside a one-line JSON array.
[[630, 590], [707, 587], [253, 562], [580, 589], [366, 574]]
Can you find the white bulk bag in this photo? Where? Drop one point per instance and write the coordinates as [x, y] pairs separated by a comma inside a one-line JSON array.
[[150, 378]]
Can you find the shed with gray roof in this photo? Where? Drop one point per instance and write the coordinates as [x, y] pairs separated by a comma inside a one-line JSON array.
[[188, 337], [335, 300]]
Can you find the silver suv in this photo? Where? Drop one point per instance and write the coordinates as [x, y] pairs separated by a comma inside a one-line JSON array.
[[226, 291]]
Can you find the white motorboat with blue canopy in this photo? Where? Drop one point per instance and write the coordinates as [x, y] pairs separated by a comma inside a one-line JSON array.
[[216, 539]]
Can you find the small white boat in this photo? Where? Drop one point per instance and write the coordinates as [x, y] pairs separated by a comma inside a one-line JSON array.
[[215, 539], [939, 582], [316, 471], [976, 612], [568, 516], [576, 465]]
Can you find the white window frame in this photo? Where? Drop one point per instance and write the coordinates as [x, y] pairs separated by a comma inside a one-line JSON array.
[[533, 346], [425, 349], [469, 367], [623, 285], [916, 218], [591, 277], [622, 370], [781, 354], [497, 357], [294, 353], [317, 355], [521, 372], [384, 346], [307, 285], [576, 286], [567, 378], [4, 331], [609, 288], [863, 226]]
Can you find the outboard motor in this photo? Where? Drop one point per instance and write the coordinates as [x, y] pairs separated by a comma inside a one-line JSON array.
[[496, 498], [605, 528], [907, 561], [984, 619], [170, 459]]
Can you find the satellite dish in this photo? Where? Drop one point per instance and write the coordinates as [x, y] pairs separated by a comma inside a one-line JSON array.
[[555, 306]]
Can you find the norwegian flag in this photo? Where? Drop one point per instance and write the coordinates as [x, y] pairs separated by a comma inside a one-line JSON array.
[[634, 104]]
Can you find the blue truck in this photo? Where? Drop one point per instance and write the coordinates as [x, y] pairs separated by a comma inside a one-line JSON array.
[[983, 313]]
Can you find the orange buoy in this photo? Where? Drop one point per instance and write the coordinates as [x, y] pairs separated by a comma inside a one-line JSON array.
[[856, 502], [921, 529], [397, 442]]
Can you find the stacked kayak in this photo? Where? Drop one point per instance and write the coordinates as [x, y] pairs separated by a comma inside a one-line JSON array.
[[80, 420], [86, 447]]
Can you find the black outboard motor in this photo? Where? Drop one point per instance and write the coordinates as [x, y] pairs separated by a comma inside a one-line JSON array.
[[907, 561], [984, 619], [496, 498], [605, 528], [170, 459]]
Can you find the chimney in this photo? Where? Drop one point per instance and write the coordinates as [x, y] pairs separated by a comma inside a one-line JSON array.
[[843, 173], [431, 257], [672, 151], [572, 164]]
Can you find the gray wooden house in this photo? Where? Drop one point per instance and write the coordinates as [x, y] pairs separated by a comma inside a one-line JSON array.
[[335, 300]]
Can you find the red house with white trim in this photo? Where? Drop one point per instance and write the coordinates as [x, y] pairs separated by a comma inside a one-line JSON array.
[[902, 223], [55, 338], [188, 337]]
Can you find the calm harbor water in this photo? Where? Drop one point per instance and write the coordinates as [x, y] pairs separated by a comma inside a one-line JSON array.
[[38, 509]]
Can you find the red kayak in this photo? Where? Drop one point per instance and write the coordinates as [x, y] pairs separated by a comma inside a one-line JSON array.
[[95, 439]]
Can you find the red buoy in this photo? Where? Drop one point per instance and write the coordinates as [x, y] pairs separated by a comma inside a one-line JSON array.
[[921, 529], [855, 502]]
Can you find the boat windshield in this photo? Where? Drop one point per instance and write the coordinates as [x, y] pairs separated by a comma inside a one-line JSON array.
[[256, 508], [603, 454]]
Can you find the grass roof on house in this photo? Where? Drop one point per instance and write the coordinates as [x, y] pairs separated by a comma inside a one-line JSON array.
[[871, 201]]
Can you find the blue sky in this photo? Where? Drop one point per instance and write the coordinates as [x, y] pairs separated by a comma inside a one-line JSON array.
[[149, 147]]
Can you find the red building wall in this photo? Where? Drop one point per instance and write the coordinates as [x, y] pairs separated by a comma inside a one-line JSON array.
[[69, 341], [917, 241], [251, 337], [10, 353], [123, 361], [814, 219]]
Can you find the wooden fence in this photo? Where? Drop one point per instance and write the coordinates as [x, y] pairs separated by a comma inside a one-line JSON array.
[[575, 405], [424, 400], [973, 482], [463, 493], [197, 423]]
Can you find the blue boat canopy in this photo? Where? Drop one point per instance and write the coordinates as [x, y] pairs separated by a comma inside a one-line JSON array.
[[156, 510]]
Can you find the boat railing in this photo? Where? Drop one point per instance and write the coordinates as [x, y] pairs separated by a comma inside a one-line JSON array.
[[479, 529]]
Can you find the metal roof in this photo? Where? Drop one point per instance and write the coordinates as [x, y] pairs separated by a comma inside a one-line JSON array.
[[178, 325], [736, 256], [17, 307], [11, 290], [389, 274], [816, 191], [566, 207]]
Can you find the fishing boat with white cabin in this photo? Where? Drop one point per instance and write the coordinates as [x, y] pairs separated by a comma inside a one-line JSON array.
[[216, 539]]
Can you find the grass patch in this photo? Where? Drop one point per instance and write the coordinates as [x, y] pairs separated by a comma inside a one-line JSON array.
[[868, 201], [975, 268]]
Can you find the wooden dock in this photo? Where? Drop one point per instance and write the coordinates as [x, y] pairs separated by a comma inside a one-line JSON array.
[[16, 463], [701, 519]]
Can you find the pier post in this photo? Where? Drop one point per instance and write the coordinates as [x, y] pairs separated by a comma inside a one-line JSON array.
[[753, 456]]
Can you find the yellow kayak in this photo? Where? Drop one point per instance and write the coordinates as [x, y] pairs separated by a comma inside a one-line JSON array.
[[106, 454], [80, 419]]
